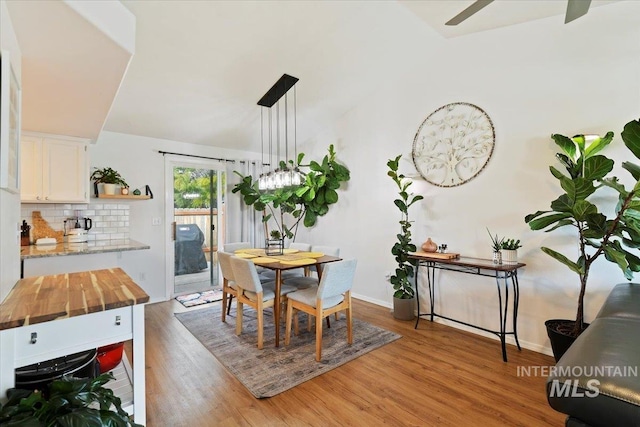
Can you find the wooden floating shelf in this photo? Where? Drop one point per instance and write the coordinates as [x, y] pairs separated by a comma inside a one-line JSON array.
[[123, 196]]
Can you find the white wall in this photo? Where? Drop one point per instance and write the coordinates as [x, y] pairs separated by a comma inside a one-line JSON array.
[[532, 79], [9, 203], [139, 161]]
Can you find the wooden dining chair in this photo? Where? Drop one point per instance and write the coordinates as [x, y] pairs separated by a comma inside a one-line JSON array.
[[229, 289], [332, 295], [250, 291]]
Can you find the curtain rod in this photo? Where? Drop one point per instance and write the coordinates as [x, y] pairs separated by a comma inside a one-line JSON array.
[[209, 158]]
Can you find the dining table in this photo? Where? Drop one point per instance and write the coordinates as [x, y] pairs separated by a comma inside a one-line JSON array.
[[289, 259]]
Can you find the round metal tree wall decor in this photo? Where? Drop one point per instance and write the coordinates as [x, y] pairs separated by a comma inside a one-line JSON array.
[[453, 144]]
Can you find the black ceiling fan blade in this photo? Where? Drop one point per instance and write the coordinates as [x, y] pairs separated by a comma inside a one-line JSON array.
[[475, 7], [576, 9]]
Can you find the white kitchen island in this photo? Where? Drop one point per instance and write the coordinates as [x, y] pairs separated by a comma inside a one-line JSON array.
[[45, 317]]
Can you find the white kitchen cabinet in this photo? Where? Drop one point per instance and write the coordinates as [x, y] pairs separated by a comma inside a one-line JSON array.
[[54, 169]]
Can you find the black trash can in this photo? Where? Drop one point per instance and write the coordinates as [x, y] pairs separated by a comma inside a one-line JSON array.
[[189, 256], [39, 375]]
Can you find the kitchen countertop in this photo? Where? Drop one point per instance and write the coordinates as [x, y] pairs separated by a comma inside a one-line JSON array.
[[95, 247], [40, 299]]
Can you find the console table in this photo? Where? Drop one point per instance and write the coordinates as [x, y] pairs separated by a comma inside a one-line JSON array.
[[503, 274]]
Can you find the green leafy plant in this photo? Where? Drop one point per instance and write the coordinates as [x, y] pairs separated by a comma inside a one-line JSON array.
[[404, 271], [275, 235], [69, 402], [305, 203], [597, 235], [496, 242], [108, 176], [511, 244]]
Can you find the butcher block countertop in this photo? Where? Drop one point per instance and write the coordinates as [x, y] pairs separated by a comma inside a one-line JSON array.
[[43, 298], [94, 247]]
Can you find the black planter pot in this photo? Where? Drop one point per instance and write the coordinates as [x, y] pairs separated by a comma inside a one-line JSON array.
[[558, 331]]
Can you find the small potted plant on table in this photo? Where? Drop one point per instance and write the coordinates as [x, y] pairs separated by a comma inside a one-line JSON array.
[[510, 251], [496, 245]]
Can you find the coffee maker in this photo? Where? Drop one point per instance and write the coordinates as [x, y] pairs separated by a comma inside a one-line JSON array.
[[76, 229]]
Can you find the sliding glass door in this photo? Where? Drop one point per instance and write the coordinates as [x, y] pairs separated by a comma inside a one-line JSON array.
[[194, 211]]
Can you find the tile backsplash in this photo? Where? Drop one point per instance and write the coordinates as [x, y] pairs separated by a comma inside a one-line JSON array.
[[110, 220]]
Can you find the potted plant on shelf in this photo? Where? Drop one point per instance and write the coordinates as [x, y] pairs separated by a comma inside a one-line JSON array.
[[509, 251], [496, 246], [404, 294], [109, 178], [68, 401], [597, 235]]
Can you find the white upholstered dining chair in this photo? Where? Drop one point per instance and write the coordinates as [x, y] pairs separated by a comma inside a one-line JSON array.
[[250, 291], [307, 280], [234, 246], [332, 295]]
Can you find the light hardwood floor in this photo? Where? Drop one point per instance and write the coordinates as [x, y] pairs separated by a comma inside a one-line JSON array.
[[435, 375]]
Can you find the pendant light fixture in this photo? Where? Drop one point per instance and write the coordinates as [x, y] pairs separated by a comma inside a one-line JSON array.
[[285, 172]]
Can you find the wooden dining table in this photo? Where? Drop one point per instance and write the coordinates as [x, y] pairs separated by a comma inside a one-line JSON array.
[[282, 264]]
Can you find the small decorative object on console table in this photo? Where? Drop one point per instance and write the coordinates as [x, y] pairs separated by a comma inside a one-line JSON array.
[[429, 246], [496, 245], [510, 251]]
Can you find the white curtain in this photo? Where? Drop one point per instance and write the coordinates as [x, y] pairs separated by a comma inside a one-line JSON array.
[[243, 223]]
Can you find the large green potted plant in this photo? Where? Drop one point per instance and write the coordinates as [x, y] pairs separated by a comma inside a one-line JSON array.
[[404, 294], [69, 402], [597, 235], [286, 207]]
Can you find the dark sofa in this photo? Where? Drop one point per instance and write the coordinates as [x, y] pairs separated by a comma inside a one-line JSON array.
[[597, 381]]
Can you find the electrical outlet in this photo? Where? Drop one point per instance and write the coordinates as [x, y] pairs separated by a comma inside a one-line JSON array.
[[156, 221]]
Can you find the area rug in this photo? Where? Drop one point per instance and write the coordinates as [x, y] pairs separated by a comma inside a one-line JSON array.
[[270, 371], [199, 298]]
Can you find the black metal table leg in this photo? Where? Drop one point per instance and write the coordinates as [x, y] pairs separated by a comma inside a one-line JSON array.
[[516, 303], [417, 295]]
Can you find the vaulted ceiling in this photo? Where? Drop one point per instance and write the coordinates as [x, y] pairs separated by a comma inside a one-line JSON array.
[[200, 67]]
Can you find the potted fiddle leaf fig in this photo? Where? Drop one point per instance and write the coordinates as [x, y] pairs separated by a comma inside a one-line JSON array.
[[596, 234], [287, 207], [404, 294]]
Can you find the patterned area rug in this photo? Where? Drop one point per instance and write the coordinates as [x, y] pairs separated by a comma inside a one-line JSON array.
[[198, 298], [272, 370]]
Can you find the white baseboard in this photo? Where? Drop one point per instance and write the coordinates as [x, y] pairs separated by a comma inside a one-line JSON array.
[[510, 340]]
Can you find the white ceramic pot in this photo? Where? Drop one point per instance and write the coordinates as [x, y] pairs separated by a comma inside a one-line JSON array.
[[509, 256], [109, 188]]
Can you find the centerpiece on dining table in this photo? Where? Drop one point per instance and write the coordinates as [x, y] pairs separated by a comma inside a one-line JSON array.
[[274, 245]]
